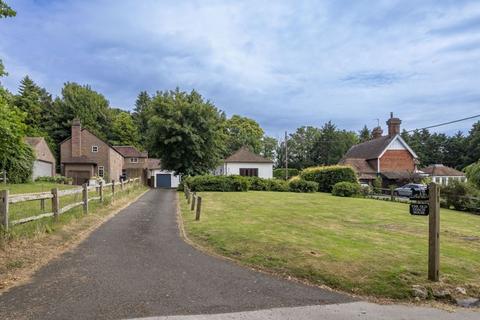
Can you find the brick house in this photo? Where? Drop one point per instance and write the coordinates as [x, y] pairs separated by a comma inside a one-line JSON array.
[[44, 163], [135, 162], [84, 155], [389, 156]]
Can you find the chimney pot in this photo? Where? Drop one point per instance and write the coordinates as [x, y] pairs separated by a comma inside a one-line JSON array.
[[393, 125], [377, 132]]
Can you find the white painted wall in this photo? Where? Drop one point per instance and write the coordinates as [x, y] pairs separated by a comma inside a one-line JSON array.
[[41, 169], [175, 179], [265, 170], [444, 180]]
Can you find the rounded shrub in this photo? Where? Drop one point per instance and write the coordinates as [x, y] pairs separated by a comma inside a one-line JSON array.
[[259, 184], [300, 185], [346, 189], [278, 185], [328, 176]]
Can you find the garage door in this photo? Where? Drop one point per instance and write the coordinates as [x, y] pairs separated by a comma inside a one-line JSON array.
[[42, 169], [79, 177], [164, 180]]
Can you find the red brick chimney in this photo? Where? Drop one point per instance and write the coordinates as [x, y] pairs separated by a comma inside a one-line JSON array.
[[393, 125], [377, 132], [76, 138]]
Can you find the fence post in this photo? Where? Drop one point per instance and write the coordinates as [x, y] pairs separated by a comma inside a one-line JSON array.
[[121, 185], [194, 197], [85, 198], [42, 205], [188, 198], [392, 196], [434, 232], [55, 202], [101, 191], [199, 208], [4, 209], [113, 190], [4, 176]]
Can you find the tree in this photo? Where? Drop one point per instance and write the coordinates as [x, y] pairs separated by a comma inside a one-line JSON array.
[[473, 174], [186, 132], [473, 144], [269, 147], [124, 132], [455, 151], [364, 134], [5, 12], [16, 157], [242, 131], [300, 148], [332, 144], [141, 113]]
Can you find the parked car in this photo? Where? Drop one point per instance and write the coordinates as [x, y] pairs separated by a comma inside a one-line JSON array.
[[407, 190]]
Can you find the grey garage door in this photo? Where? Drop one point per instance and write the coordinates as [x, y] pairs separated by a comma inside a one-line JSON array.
[[164, 180], [42, 169]]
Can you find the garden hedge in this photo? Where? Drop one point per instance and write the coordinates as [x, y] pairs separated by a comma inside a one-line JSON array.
[[217, 183], [328, 176], [300, 185], [346, 189], [280, 173]]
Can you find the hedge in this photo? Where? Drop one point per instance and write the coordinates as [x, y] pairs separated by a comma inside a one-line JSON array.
[[280, 173], [346, 189], [55, 179], [217, 183], [300, 185], [328, 176]]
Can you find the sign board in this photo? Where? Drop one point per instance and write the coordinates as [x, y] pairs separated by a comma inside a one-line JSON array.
[[419, 209]]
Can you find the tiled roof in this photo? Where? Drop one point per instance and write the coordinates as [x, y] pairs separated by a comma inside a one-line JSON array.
[[130, 152], [370, 149], [245, 155], [33, 141], [361, 166], [441, 170]]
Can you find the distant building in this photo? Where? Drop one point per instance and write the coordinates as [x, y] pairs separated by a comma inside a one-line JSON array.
[[442, 174], [389, 156], [135, 161], [44, 164], [243, 162], [160, 178]]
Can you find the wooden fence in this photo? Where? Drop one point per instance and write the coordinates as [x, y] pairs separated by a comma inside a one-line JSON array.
[[54, 196], [194, 201]]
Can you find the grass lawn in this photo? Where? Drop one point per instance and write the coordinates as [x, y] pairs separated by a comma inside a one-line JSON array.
[[33, 187], [358, 245]]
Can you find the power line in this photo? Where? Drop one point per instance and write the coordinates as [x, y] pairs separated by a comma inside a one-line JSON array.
[[445, 123]]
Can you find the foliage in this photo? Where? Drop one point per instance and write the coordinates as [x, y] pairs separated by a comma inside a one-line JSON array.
[[124, 131], [328, 176], [269, 147], [142, 113], [377, 184], [332, 144], [6, 10], [346, 189], [55, 179], [279, 173], [278, 185], [300, 145], [217, 183], [300, 185], [364, 134], [258, 184], [16, 157], [461, 196], [186, 132], [473, 174], [242, 131]]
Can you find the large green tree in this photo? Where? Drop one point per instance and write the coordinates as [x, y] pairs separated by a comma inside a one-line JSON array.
[[332, 144], [473, 144], [123, 131], [269, 147], [186, 132], [5, 12], [364, 134], [142, 113], [243, 131], [300, 148]]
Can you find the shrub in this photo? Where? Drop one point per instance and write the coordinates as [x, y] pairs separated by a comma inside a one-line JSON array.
[[280, 173], [328, 176], [365, 190], [278, 185], [217, 183], [459, 195], [346, 189], [259, 184], [55, 179], [377, 184], [300, 185]]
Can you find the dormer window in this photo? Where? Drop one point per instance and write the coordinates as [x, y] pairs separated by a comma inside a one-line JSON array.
[[134, 160], [94, 148]]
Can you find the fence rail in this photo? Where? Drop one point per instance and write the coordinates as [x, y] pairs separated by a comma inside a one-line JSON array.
[[6, 199]]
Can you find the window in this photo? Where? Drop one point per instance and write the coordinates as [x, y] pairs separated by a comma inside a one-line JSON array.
[[249, 172], [94, 148], [134, 160], [101, 171]]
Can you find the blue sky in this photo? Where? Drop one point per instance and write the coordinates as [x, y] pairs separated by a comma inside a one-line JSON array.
[[283, 63]]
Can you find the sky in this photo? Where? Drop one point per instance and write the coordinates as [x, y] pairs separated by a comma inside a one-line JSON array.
[[283, 63]]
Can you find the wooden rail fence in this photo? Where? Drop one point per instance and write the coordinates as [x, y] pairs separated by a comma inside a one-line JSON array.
[[194, 201], [55, 195]]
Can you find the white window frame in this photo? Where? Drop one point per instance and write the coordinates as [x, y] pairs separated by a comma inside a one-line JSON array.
[[94, 149], [133, 160], [102, 170]]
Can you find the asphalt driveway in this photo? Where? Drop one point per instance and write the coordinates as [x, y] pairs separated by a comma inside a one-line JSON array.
[[137, 265]]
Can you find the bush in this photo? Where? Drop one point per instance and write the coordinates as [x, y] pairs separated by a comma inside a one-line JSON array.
[[280, 173], [365, 190], [328, 176], [300, 185], [259, 184], [459, 195], [217, 183], [346, 189], [278, 185], [55, 179]]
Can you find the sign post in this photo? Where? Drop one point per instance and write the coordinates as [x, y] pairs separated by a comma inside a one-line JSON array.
[[434, 232]]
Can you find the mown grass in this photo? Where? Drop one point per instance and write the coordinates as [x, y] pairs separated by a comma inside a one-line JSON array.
[[32, 187], [359, 245]]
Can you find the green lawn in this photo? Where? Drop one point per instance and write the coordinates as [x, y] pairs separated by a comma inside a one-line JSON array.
[[33, 187], [359, 245]]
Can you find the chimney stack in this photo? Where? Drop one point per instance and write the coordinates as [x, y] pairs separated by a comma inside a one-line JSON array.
[[76, 138], [377, 132], [393, 125]]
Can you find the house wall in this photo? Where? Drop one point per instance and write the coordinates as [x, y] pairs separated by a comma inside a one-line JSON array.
[[142, 163], [265, 170], [445, 180], [397, 160], [115, 165]]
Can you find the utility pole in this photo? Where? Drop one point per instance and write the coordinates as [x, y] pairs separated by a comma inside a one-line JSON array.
[[286, 156]]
